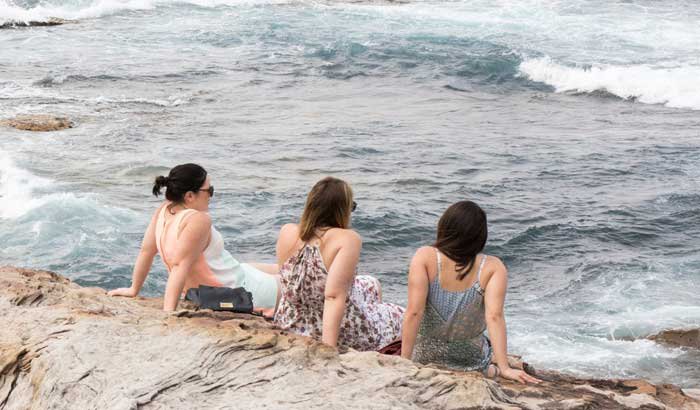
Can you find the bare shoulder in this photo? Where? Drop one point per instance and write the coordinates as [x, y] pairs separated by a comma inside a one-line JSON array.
[[495, 264], [197, 219], [289, 229], [424, 254], [156, 213], [344, 236], [494, 267]]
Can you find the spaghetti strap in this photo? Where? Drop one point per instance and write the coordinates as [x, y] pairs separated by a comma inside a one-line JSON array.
[[439, 264], [481, 266], [439, 267]]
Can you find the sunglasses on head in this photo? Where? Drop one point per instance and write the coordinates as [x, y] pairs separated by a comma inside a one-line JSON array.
[[354, 206], [210, 190]]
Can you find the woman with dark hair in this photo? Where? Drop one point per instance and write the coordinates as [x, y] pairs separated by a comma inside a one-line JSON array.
[[322, 296], [455, 293], [192, 249]]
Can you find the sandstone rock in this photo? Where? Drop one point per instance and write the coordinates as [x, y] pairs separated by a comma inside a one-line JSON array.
[[679, 337], [694, 393], [53, 21], [575, 404], [67, 347], [38, 123], [640, 386]]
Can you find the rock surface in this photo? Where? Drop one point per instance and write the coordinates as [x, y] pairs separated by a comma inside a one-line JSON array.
[[53, 21], [679, 337], [63, 346], [38, 123]]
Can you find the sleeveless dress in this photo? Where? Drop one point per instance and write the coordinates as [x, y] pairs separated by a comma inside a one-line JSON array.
[[367, 324], [452, 330], [215, 266]]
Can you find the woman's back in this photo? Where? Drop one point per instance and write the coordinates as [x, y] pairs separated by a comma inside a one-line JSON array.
[[367, 324], [215, 266], [455, 294], [453, 325], [167, 233]]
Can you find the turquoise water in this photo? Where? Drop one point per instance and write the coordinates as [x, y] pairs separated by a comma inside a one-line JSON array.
[[575, 124]]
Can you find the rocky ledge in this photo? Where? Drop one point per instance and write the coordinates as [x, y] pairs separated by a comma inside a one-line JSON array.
[[63, 346], [678, 338], [53, 21], [38, 123]]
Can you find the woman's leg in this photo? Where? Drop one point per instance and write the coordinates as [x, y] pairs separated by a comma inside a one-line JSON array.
[[261, 274]]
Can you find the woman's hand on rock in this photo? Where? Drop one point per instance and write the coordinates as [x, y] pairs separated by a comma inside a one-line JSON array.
[[128, 292], [519, 376]]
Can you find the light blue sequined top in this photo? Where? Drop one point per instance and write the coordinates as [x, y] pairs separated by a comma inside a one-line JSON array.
[[452, 330]]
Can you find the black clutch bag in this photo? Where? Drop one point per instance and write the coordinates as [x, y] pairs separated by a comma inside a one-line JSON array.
[[221, 298]]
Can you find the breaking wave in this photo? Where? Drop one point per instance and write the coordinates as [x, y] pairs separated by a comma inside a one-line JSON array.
[[675, 87]]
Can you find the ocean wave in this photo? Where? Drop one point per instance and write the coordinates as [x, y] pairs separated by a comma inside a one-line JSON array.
[[39, 90], [675, 87], [53, 80], [22, 193], [169, 101], [10, 12], [16, 189]]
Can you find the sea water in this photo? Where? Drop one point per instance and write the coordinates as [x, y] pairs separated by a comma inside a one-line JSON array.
[[574, 124]]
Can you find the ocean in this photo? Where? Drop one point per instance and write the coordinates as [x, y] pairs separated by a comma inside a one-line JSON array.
[[574, 123]]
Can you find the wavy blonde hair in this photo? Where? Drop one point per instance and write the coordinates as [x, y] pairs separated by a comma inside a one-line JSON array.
[[328, 205]]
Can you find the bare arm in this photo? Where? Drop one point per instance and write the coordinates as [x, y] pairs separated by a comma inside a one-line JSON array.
[[144, 260], [340, 277], [190, 244], [286, 240], [418, 284], [495, 321]]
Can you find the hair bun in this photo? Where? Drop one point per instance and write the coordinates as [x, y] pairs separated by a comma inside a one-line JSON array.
[[160, 182]]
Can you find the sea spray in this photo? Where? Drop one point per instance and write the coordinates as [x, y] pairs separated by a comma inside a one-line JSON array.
[[676, 87]]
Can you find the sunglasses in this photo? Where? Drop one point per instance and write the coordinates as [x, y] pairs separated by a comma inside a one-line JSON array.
[[210, 190], [354, 206]]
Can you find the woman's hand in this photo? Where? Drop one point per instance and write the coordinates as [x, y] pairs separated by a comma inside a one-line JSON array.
[[128, 292], [519, 376]]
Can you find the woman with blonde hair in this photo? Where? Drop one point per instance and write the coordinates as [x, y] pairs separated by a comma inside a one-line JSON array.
[[322, 296]]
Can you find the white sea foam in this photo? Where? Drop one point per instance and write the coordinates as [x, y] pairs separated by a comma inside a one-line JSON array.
[[16, 189], [99, 8], [671, 86], [21, 191], [9, 12], [27, 90], [591, 356]]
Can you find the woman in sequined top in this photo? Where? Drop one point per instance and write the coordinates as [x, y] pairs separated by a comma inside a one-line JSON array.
[[455, 294]]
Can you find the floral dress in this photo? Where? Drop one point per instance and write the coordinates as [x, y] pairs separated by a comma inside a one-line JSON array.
[[368, 324]]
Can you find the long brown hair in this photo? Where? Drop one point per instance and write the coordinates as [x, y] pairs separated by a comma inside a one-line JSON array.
[[328, 205], [462, 234]]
